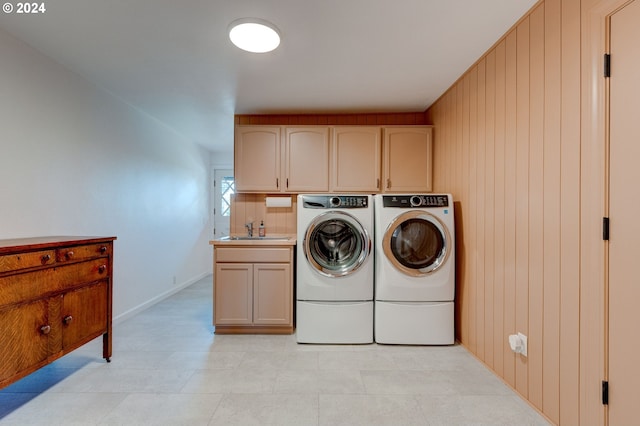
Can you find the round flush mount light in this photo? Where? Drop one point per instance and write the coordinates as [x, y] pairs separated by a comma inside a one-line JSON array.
[[254, 35]]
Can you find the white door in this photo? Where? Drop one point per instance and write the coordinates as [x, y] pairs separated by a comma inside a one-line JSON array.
[[624, 205], [223, 190]]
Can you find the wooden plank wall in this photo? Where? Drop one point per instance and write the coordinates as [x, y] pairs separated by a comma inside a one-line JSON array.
[[354, 119], [507, 145], [252, 208]]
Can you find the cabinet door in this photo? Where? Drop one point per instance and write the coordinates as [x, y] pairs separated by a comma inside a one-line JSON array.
[[84, 314], [233, 294], [272, 300], [24, 343], [307, 159], [257, 159], [407, 159], [356, 153]]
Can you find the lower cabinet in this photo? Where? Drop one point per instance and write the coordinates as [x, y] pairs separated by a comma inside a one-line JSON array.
[[256, 296]]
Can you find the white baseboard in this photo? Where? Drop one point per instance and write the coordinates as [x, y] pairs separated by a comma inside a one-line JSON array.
[[159, 298]]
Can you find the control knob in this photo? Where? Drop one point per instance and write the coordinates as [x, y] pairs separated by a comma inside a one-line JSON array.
[[416, 201]]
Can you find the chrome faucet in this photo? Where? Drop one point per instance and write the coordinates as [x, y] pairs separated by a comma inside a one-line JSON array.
[[249, 227]]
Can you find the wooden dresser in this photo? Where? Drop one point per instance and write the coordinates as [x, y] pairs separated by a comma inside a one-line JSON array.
[[55, 295]]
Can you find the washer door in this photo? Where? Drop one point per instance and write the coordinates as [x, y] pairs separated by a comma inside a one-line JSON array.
[[336, 244], [416, 243]]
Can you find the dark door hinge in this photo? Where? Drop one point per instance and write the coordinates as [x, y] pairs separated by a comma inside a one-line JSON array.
[[605, 228], [605, 392], [607, 65]]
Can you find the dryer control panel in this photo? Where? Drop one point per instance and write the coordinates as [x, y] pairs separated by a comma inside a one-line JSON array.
[[335, 201], [411, 201]]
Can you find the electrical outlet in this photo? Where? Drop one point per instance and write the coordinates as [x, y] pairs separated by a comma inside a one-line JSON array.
[[523, 339], [518, 343], [175, 281]]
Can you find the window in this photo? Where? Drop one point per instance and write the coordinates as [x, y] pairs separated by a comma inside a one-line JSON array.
[[227, 189]]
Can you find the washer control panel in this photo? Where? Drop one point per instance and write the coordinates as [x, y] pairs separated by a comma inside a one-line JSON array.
[[411, 201], [335, 201]]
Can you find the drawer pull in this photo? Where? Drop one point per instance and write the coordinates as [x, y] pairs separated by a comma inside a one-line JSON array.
[[45, 329], [45, 258], [67, 320], [103, 249], [102, 268], [69, 255]]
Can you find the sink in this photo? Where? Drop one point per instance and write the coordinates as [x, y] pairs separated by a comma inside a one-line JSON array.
[[237, 238]]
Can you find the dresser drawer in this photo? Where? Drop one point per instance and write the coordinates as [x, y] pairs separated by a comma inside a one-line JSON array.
[[252, 255], [89, 251], [31, 285], [24, 260]]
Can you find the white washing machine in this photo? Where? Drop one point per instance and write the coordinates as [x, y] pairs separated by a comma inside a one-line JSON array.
[[334, 270], [414, 269]]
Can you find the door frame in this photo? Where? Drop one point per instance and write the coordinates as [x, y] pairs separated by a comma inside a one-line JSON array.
[[594, 206], [215, 189]]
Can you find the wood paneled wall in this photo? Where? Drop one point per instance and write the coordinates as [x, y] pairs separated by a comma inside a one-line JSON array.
[[507, 145], [354, 119], [252, 208]]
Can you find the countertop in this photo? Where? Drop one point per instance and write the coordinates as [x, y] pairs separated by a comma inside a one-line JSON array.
[[283, 240]]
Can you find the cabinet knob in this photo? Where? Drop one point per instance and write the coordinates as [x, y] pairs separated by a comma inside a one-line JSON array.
[[388, 183], [67, 320], [69, 254], [103, 249], [45, 329], [102, 268], [45, 258]]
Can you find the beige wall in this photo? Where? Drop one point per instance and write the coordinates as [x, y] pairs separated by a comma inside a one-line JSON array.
[[519, 142]]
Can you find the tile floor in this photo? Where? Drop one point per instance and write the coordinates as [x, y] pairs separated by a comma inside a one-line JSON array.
[[168, 368]]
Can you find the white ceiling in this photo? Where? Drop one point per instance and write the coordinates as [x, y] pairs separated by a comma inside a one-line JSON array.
[[173, 59]]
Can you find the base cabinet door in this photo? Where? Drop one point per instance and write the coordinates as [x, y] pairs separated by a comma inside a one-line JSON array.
[[272, 293], [233, 294], [24, 331], [84, 314]]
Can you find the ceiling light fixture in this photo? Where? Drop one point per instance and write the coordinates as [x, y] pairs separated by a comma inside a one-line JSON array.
[[254, 35]]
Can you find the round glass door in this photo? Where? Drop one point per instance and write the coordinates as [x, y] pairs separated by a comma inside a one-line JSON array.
[[416, 243], [336, 244]]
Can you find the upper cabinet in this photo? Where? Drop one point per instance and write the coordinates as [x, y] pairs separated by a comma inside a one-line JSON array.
[[407, 159], [257, 158], [355, 162], [272, 159], [341, 159], [306, 159]]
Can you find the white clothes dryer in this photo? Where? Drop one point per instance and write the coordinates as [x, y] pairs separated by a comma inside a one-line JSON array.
[[414, 269], [334, 271]]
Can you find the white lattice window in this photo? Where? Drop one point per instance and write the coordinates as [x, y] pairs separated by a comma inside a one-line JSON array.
[[227, 189]]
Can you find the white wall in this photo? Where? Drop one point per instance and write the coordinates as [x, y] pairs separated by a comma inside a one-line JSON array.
[[74, 160]]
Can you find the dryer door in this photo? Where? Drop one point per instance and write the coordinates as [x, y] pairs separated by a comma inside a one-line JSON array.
[[336, 244], [417, 243]]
